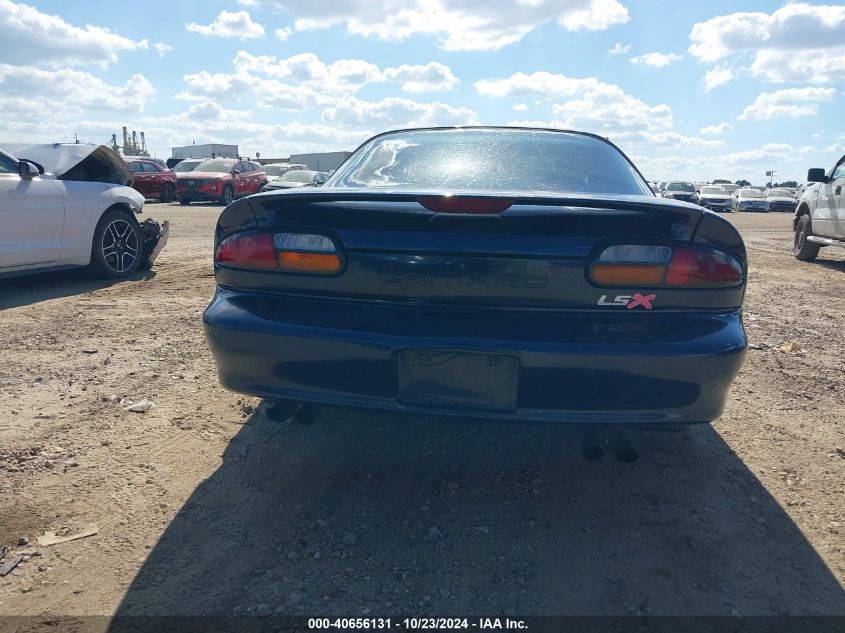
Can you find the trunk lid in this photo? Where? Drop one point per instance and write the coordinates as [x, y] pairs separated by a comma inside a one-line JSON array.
[[532, 255]]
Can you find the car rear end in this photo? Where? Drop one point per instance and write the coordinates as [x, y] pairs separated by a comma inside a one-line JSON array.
[[714, 203], [782, 204], [571, 308]]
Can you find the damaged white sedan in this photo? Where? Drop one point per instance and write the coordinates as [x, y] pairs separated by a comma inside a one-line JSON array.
[[69, 205]]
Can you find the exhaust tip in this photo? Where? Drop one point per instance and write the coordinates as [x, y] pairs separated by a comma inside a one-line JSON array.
[[594, 453], [282, 410], [623, 448], [306, 415], [592, 446], [627, 455]]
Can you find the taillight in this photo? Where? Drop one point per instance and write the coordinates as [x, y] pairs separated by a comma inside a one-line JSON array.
[[703, 268], [465, 204], [247, 250], [652, 266], [289, 252]]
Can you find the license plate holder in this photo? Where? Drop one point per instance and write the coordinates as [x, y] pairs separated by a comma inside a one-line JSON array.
[[458, 380]]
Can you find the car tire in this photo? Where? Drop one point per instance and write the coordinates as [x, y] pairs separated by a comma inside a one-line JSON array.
[[118, 245], [228, 195], [168, 194], [802, 248], [184, 202]]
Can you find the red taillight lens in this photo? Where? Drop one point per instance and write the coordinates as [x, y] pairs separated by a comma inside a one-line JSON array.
[[247, 250], [284, 252], [653, 266], [693, 268], [466, 205]]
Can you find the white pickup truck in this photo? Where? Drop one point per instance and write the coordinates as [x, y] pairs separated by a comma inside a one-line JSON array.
[[820, 216]]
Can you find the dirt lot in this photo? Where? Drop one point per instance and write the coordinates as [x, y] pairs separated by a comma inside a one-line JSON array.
[[204, 509]]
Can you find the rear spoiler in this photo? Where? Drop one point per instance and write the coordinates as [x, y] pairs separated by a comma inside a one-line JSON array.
[[644, 204]]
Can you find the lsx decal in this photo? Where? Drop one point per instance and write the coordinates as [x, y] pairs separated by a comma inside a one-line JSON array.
[[630, 301]]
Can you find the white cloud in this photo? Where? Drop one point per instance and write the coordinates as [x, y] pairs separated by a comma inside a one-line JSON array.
[[162, 49], [716, 77], [208, 120], [619, 49], [458, 24], [520, 107], [304, 81], [770, 152], [430, 77], [229, 24], [283, 33], [32, 36], [798, 42], [658, 60], [396, 112], [588, 103], [66, 92], [790, 103], [717, 129], [595, 106]]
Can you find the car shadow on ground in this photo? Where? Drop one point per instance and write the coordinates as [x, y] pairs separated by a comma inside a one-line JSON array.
[[16, 292], [365, 512], [833, 264]]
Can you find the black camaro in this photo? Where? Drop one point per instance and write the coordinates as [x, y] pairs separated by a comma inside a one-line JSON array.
[[499, 272]]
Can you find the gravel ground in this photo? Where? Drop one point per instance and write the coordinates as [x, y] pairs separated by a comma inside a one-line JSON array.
[[206, 506]]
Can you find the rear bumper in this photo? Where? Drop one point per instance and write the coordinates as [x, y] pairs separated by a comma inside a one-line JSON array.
[[716, 206], [572, 367]]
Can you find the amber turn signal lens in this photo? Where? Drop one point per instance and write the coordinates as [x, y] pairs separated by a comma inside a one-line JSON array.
[[309, 262], [627, 274]]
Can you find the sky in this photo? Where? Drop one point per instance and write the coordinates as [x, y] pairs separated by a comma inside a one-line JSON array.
[[692, 90]]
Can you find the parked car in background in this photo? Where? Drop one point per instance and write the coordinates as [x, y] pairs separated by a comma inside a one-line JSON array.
[[781, 200], [152, 180], [541, 280], [221, 180], [680, 190], [820, 217], [297, 178], [715, 198], [158, 161], [274, 170], [729, 187], [188, 164], [65, 206], [749, 199]]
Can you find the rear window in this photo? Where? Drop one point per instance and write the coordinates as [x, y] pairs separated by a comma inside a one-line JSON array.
[[186, 165], [750, 193], [298, 175], [680, 186], [490, 160], [275, 170], [215, 165]]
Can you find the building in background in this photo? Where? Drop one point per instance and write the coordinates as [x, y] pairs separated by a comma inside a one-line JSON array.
[[207, 150], [324, 161]]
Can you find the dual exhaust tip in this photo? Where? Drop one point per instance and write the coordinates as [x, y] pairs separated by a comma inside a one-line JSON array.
[[300, 412], [594, 445]]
